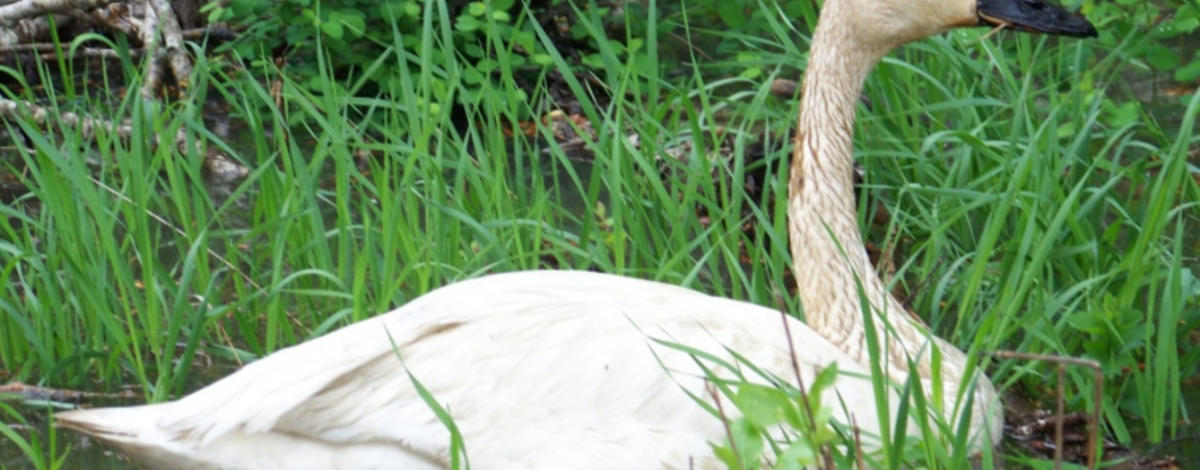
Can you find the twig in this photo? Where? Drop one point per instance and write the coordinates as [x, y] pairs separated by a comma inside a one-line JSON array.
[[1097, 394], [232, 267], [858, 452], [1094, 428], [178, 231], [94, 53], [787, 330], [33, 392], [807, 407], [712, 391], [1058, 418], [217, 31], [18, 48], [1002, 25]]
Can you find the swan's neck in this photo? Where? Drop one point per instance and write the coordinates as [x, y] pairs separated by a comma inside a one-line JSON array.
[[829, 259], [830, 262]]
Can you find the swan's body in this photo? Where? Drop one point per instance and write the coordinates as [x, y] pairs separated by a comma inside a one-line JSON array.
[[564, 399], [551, 369]]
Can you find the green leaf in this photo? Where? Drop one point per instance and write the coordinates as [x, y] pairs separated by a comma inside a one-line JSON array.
[[243, 7], [593, 60], [732, 14], [1125, 114], [1189, 72], [356, 23], [1066, 130], [474, 50], [1162, 57], [487, 65], [1085, 322], [798, 456], [526, 40], [762, 406], [466, 23], [412, 9], [472, 76], [635, 44], [825, 378], [726, 456], [749, 440], [332, 29]]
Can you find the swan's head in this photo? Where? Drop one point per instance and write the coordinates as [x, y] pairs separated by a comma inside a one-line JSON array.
[[886, 24]]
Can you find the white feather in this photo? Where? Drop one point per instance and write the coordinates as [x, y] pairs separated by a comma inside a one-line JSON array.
[[539, 369]]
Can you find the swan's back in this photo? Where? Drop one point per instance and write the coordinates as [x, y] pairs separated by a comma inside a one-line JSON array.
[[539, 369]]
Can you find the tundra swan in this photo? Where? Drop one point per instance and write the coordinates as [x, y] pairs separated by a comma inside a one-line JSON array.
[[555, 369]]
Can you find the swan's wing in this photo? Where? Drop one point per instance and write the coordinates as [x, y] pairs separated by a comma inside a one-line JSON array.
[[538, 366], [528, 362]]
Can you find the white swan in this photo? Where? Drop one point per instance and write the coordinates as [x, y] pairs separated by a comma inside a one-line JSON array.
[[552, 369]]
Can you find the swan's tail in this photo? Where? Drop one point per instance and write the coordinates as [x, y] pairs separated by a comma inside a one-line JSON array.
[[134, 430], [109, 424]]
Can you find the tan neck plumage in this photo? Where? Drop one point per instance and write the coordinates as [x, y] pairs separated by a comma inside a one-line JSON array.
[[828, 253]]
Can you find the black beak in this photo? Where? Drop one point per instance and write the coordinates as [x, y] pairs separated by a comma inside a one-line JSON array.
[[1035, 16]]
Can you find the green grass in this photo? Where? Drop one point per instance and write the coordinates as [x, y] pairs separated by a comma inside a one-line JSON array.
[[1025, 219]]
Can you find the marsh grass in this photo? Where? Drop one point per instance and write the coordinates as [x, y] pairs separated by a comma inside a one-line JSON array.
[[1022, 219]]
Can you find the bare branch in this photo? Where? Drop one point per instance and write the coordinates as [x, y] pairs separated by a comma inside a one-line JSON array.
[[148, 31], [23, 30], [23, 9], [177, 57], [218, 165], [114, 17]]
